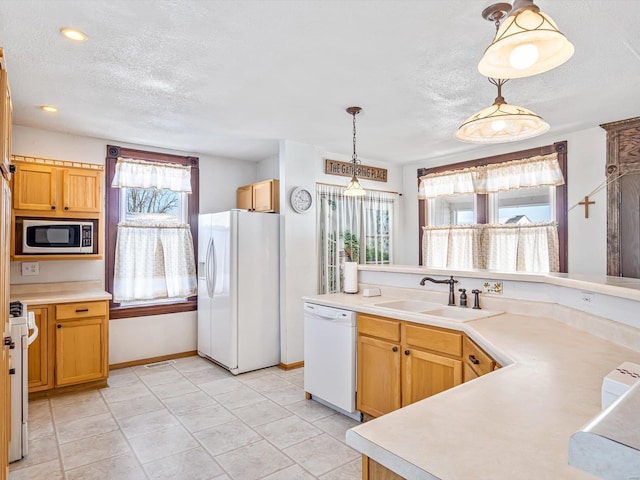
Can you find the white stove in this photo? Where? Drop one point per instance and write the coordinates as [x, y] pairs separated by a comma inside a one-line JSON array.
[[21, 322]]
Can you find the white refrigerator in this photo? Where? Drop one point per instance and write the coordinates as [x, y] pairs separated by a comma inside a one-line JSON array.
[[239, 289]]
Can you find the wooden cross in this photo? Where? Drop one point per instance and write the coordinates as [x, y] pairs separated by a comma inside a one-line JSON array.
[[586, 204]]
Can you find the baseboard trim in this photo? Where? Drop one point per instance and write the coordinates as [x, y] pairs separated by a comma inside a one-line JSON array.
[[81, 387], [161, 358], [290, 366]]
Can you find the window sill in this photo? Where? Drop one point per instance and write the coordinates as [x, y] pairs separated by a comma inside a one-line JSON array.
[[116, 312]]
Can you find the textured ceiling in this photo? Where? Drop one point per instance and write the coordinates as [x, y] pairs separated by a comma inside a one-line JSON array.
[[231, 78]]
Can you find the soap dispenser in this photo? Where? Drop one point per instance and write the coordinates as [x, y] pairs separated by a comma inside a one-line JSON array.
[[463, 297]]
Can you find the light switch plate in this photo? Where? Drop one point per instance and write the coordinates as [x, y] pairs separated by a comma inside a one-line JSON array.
[[30, 268], [492, 287]]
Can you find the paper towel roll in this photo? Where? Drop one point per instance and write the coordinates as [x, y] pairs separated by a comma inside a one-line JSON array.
[[350, 277]]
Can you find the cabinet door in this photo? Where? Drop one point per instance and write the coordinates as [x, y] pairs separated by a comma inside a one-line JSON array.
[[378, 376], [6, 112], [265, 196], [81, 350], [5, 387], [34, 187], [244, 197], [81, 190], [40, 363], [427, 374]]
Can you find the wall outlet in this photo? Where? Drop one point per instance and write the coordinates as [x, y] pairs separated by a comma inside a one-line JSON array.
[[30, 268], [492, 287], [587, 299]]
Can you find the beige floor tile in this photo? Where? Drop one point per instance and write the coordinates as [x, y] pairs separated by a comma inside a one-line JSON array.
[[147, 423], [203, 418], [190, 401], [286, 373], [224, 476], [86, 406], [241, 397], [194, 464], [253, 461], [77, 429], [266, 382], [143, 370], [227, 436], [41, 450], [294, 472], [321, 454], [83, 452], [40, 427], [162, 378], [254, 374], [120, 371], [174, 389], [135, 406], [261, 412], [350, 471], [286, 395], [73, 398], [122, 380], [310, 410], [288, 431], [336, 425], [206, 374], [193, 363], [127, 392], [220, 386], [39, 409], [42, 471], [162, 443], [124, 467]]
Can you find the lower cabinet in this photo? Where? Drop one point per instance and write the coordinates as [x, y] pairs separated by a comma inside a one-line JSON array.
[[72, 347], [400, 363], [476, 361], [372, 470]]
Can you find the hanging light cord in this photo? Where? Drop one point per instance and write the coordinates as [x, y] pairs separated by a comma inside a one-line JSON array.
[[354, 157]]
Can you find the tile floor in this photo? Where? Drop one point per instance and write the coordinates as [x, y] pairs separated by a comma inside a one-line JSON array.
[[190, 420]]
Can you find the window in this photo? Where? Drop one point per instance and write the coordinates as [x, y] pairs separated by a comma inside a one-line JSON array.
[[346, 224], [515, 224], [160, 210]]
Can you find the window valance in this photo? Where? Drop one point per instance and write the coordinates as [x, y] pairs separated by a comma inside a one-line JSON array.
[[131, 173], [538, 171]]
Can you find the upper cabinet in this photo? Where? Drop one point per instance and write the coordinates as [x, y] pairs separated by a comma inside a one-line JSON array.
[[261, 196], [6, 112], [55, 188]]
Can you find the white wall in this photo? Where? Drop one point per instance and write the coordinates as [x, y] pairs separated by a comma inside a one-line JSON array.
[[586, 153], [303, 165], [141, 337], [268, 168]]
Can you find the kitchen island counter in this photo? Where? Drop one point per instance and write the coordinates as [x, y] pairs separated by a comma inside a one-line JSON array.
[[513, 423]]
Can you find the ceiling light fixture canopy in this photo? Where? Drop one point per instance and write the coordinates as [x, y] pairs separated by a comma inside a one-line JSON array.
[[354, 189], [527, 42], [73, 34], [501, 122]]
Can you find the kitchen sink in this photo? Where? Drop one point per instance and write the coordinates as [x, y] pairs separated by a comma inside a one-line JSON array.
[[462, 314], [436, 310], [415, 306]]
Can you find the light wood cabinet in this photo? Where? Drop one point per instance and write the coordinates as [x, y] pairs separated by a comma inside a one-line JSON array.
[[476, 361], [72, 345], [400, 363], [372, 470], [54, 191], [6, 118], [5, 387], [41, 351], [261, 196]]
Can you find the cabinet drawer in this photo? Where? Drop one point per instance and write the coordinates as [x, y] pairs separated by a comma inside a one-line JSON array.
[[475, 357], [378, 327], [80, 310], [437, 340]]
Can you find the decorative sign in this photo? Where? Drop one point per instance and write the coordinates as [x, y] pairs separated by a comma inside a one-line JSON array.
[[345, 169]]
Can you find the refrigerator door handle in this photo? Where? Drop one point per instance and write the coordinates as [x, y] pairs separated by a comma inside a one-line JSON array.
[[208, 273]]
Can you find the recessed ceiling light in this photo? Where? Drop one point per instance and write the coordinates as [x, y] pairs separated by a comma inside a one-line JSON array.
[[49, 108], [73, 34]]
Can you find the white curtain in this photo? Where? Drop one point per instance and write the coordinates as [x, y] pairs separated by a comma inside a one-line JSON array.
[[358, 229], [133, 173], [505, 248], [538, 171]]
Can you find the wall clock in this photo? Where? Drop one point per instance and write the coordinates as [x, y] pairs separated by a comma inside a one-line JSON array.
[[301, 199]]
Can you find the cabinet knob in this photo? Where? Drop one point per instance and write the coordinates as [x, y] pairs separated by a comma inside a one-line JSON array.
[[407, 352], [59, 326], [474, 360], [66, 208], [53, 207], [395, 349]]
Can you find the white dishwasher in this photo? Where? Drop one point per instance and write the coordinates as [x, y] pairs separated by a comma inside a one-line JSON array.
[[330, 357]]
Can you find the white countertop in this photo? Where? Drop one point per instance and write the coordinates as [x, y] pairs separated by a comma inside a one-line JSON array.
[[63, 292], [512, 423]]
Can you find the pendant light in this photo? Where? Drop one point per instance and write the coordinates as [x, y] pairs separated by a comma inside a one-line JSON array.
[[354, 189], [527, 42], [501, 122]]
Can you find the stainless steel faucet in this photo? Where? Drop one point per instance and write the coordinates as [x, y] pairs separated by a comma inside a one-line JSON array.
[[450, 281]]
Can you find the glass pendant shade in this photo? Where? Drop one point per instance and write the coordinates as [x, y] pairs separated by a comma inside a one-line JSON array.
[[501, 123], [354, 189], [527, 42]]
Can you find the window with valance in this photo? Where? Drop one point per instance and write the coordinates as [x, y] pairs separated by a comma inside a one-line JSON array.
[[503, 213]]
